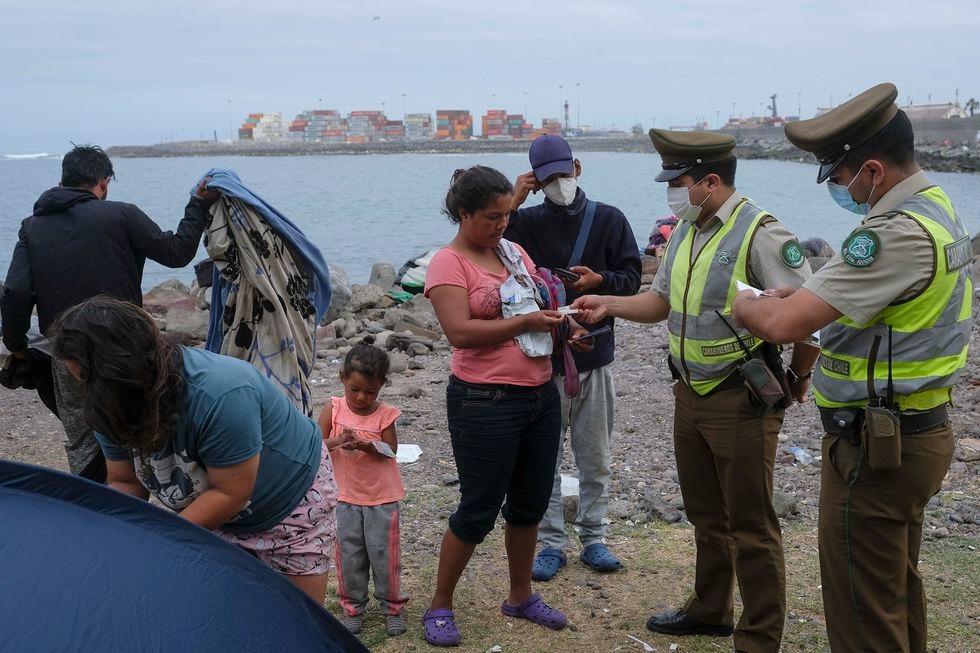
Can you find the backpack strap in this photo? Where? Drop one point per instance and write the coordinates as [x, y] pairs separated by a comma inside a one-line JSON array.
[[583, 234]]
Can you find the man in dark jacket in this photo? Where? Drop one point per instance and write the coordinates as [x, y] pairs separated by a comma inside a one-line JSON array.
[[75, 246], [608, 264]]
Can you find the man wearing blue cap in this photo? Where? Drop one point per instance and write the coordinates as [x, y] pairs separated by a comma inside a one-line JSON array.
[[595, 243]]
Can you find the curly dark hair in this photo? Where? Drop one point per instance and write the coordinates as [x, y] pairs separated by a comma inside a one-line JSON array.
[[473, 189], [131, 374], [368, 359]]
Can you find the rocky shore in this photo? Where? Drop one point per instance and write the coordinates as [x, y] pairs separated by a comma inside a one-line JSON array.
[[644, 485], [944, 156], [648, 523]]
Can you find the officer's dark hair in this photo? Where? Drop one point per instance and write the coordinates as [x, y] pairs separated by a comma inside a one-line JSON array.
[[85, 166], [725, 169], [473, 189], [894, 144]]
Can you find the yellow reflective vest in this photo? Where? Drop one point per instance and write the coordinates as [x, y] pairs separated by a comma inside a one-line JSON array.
[[930, 332], [702, 348]]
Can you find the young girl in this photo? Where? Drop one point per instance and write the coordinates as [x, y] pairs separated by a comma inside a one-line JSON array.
[[359, 432]]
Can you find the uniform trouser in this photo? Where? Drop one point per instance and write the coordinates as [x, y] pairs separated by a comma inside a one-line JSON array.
[[870, 529], [726, 449], [85, 456], [369, 540], [588, 420]]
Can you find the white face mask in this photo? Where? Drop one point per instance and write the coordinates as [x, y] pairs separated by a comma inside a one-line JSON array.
[[679, 201], [561, 191]]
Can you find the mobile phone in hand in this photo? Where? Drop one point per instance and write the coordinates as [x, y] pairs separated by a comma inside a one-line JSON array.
[[566, 275], [591, 334]]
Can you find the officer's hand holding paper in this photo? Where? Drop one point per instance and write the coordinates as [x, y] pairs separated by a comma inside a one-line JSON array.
[[778, 293]]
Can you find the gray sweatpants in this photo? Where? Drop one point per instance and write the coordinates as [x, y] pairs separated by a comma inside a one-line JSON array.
[[588, 419], [81, 446], [369, 539]]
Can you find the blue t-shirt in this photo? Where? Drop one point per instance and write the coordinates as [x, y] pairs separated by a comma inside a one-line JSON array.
[[230, 413]]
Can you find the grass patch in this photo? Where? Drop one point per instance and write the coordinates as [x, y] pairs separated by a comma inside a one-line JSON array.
[[659, 572]]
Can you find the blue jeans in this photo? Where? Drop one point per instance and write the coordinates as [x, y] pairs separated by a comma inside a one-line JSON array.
[[505, 440]]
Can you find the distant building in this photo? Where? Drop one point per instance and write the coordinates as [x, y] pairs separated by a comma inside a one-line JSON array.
[[919, 112]]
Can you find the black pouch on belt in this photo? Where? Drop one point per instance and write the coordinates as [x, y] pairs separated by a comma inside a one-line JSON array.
[[882, 420], [761, 382], [882, 438]]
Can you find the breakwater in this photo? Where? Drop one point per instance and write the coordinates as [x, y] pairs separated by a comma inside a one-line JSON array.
[[943, 156]]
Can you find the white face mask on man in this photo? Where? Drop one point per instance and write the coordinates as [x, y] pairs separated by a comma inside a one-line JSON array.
[[679, 201], [561, 191]]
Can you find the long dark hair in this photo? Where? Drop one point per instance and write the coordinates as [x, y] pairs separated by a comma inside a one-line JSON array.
[[473, 189], [132, 375]]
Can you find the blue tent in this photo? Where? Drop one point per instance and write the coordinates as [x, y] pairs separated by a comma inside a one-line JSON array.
[[86, 568]]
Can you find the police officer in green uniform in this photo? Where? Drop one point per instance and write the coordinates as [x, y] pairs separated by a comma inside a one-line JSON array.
[[894, 311], [724, 440]]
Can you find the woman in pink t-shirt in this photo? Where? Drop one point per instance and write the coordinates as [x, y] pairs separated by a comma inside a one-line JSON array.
[[503, 408]]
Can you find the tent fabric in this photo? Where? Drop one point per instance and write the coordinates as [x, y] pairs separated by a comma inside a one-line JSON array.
[[87, 568]]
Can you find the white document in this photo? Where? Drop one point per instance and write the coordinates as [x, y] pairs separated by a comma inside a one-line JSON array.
[[744, 286], [812, 341], [567, 310], [408, 453], [383, 448]]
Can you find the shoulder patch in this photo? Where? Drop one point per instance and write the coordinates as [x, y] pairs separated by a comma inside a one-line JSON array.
[[861, 248], [792, 253]]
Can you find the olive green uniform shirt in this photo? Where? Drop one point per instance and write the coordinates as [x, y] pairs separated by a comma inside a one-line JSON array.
[[902, 270], [766, 266]]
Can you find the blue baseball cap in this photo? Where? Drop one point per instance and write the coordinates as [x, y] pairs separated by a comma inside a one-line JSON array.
[[551, 155]]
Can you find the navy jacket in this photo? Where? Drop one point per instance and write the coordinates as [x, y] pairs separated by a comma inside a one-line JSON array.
[[548, 233], [77, 246]]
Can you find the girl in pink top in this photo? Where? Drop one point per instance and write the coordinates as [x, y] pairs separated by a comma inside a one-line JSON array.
[[503, 408], [359, 432]]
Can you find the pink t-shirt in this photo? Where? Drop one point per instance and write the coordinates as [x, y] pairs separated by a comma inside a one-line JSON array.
[[364, 479], [500, 363]]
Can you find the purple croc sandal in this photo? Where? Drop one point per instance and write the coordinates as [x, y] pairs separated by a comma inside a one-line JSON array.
[[439, 627], [536, 611]]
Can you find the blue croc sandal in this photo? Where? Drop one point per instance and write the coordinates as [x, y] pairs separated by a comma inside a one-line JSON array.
[[547, 563], [600, 558]]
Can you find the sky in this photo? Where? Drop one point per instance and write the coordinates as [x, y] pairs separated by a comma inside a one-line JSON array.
[[143, 71]]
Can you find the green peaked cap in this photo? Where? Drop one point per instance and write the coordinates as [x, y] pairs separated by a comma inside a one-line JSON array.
[[835, 134]]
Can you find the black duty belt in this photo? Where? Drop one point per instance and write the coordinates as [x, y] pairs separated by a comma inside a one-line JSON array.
[[847, 422], [734, 380]]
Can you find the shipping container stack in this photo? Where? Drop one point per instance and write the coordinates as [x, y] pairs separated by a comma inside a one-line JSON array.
[[551, 126], [263, 127], [454, 124], [366, 126], [245, 131], [395, 130], [319, 126], [517, 128], [495, 125], [418, 127]]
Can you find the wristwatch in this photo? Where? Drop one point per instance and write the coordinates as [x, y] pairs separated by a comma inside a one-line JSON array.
[[796, 378]]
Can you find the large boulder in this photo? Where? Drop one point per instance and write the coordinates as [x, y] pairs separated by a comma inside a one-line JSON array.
[[340, 293], [191, 324], [364, 297], [383, 276], [817, 247], [167, 295]]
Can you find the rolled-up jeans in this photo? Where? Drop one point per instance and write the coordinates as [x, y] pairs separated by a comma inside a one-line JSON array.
[[505, 441]]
